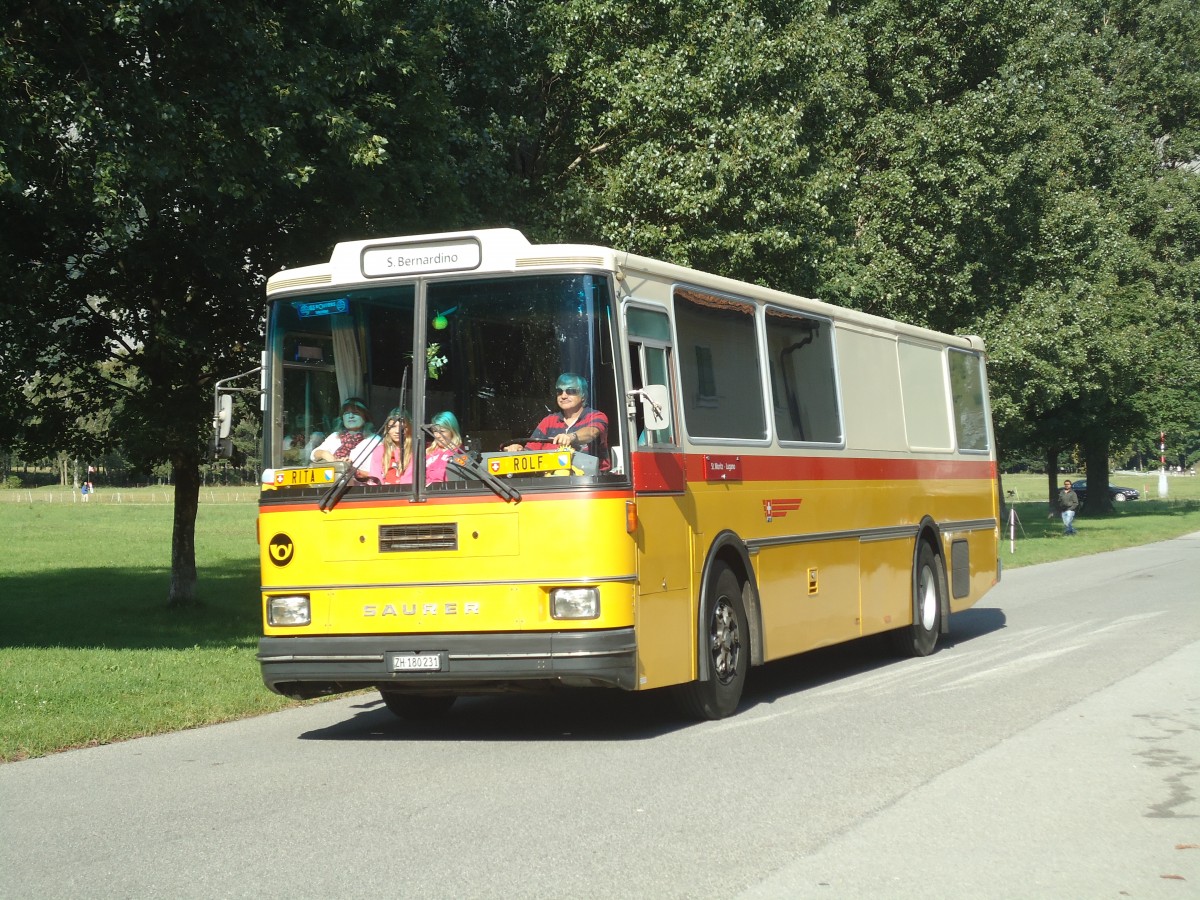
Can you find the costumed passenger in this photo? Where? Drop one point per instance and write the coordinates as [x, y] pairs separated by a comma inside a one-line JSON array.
[[352, 439], [392, 458], [446, 443], [575, 424], [392, 461]]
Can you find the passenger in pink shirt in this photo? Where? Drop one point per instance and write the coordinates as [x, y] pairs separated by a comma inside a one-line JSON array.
[[446, 444], [392, 461]]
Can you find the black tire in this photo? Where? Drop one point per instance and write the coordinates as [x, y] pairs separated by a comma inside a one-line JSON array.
[[418, 707], [726, 644], [929, 591]]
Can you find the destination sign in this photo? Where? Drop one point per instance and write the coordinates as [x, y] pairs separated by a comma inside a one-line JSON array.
[[322, 307], [411, 259]]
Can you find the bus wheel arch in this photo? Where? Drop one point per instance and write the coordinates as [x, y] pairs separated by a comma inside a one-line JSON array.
[[930, 596], [728, 549], [727, 625]]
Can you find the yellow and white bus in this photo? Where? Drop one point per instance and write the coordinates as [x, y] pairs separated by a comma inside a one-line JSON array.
[[779, 474]]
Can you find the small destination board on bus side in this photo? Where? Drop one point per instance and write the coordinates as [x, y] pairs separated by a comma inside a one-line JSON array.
[[722, 468]]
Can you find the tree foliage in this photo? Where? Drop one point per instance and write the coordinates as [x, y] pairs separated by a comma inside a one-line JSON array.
[[161, 158], [710, 134]]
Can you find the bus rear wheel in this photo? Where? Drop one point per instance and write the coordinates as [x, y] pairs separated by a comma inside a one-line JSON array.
[[929, 590], [726, 636], [418, 707]]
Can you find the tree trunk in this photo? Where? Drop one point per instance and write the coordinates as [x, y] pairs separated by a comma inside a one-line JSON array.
[[1052, 477], [183, 533], [1095, 456]]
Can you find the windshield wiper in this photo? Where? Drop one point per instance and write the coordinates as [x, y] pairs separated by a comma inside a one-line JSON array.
[[465, 464], [330, 498]]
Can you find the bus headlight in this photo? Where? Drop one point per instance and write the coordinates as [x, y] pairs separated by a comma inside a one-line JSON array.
[[575, 603], [289, 610]]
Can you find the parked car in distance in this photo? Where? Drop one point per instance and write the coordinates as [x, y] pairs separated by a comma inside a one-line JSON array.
[[1117, 494]]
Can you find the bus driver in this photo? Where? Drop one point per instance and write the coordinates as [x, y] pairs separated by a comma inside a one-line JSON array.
[[575, 425]]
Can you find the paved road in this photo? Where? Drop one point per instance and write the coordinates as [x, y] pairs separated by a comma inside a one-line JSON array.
[[1052, 749]]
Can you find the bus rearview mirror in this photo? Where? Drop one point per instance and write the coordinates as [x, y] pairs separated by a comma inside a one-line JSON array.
[[224, 415], [656, 406]]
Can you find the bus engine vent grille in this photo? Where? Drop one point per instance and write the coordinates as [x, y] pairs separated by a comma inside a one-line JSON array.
[[405, 538]]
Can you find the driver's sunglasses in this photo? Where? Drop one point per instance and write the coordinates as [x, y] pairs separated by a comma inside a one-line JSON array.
[[574, 392]]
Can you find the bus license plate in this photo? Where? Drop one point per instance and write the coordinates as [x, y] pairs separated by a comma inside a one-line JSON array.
[[416, 662]]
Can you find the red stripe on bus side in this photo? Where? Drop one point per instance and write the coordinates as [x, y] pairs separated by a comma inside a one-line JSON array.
[[842, 468], [753, 468]]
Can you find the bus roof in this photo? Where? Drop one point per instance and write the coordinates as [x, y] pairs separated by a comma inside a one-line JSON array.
[[507, 250]]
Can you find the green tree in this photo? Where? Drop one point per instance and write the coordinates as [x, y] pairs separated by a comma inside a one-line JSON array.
[[974, 165], [710, 134], [1001, 166], [1125, 236], [1155, 58], [158, 160]]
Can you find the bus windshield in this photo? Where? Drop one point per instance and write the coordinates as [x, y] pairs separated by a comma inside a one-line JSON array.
[[496, 349]]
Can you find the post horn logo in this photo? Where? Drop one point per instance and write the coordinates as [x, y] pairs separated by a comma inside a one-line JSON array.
[[281, 549]]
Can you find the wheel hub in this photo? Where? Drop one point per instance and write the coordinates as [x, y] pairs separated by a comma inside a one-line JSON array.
[[726, 643]]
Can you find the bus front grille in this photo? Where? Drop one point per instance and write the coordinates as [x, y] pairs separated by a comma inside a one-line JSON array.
[[404, 538]]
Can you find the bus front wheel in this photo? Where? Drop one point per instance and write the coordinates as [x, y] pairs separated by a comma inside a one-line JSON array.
[[725, 633], [418, 707], [929, 589]]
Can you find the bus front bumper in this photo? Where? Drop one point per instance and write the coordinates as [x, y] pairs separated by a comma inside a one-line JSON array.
[[305, 667]]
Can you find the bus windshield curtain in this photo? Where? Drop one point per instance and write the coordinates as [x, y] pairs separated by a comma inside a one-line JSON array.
[[346, 357]]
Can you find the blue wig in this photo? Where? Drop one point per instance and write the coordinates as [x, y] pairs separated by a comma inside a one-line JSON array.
[[569, 380]]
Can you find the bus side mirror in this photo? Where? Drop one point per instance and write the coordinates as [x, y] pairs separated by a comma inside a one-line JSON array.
[[222, 446], [223, 419], [656, 406]]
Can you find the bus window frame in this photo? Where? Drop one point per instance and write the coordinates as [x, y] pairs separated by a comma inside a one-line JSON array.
[[986, 408], [685, 426], [836, 371], [668, 347], [951, 445]]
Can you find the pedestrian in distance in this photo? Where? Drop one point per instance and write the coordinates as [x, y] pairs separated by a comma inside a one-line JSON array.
[[1068, 502]]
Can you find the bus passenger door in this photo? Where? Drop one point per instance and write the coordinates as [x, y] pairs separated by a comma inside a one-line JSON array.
[[665, 617]]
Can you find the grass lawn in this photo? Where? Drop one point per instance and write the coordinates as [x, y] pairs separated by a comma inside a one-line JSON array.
[[1039, 537], [92, 655]]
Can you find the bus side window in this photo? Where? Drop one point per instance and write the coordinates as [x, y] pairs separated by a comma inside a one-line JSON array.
[[650, 363]]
